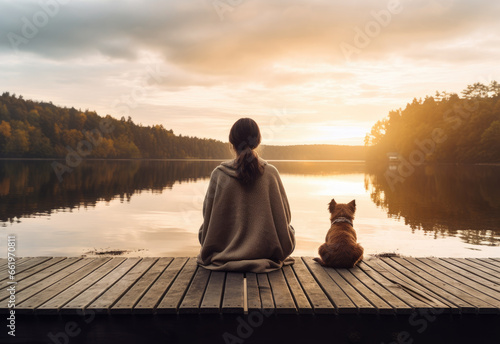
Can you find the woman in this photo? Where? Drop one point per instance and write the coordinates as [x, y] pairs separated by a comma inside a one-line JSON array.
[[246, 216]]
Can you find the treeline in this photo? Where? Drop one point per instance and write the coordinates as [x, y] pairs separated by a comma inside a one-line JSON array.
[[30, 129], [313, 152], [443, 128]]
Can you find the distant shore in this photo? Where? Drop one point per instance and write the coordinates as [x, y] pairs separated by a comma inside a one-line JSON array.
[[178, 159]]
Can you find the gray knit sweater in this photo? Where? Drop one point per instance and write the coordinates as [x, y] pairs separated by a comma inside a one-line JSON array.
[[245, 228]]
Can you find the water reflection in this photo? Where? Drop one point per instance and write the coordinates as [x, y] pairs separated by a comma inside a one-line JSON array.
[[441, 201], [444, 200], [32, 188]]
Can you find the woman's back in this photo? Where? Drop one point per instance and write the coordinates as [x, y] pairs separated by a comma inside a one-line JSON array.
[[246, 226]]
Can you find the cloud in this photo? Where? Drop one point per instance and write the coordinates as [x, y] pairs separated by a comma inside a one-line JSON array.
[[264, 55]]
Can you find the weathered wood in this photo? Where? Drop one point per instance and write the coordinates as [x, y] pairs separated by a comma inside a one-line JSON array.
[[36, 278], [363, 305], [113, 294], [487, 264], [416, 283], [303, 305], [395, 289], [318, 299], [192, 300], [474, 268], [266, 295], [134, 294], [336, 295], [32, 267], [179, 286], [79, 303], [32, 262], [66, 282], [49, 282], [233, 299], [155, 293], [54, 304], [380, 305], [212, 299], [173, 297], [442, 281], [4, 266], [490, 291], [283, 299], [253, 294]]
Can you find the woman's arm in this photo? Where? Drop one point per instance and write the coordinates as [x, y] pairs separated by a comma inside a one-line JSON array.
[[207, 207]]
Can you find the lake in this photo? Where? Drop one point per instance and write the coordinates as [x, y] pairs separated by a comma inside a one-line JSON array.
[[154, 208]]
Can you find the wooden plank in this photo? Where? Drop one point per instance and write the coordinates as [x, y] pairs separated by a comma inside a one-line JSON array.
[[66, 282], [457, 304], [33, 266], [54, 304], [36, 278], [363, 305], [134, 294], [487, 262], [25, 266], [475, 268], [212, 299], [79, 303], [283, 298], [19, 263], [113, 294], [173, 297], [416, 286], [155, 293], [233, 298], [266, 295], [192, 300], [253, 294], [396, 289], [489, 291], [318, 299], [336, 295], [442, 281], [303, 305], [380, 305], [46, 283]]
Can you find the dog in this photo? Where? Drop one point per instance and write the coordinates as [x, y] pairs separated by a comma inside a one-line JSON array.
[[340, 249]]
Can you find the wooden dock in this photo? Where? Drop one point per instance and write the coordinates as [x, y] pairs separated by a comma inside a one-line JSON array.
[[65, 287]]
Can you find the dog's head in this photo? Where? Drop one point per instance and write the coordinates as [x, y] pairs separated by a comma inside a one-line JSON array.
[[342, 210]]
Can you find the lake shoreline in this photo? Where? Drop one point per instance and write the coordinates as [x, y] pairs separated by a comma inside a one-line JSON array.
[[224, 159]]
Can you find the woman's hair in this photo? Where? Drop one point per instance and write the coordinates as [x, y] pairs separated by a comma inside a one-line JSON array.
[[245, 137]]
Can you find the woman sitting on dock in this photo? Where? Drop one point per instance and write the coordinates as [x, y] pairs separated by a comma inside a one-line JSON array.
[[246, 215]]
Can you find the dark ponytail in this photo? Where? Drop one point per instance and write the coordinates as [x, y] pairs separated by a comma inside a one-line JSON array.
[[245, 137]]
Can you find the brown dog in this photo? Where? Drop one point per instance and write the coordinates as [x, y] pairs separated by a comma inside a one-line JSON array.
[[340, 249]]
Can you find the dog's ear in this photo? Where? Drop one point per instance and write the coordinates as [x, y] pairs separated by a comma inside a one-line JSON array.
[[332, 205], [352, 205]]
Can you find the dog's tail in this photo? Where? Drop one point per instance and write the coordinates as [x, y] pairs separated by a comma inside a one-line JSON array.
[[320, 261]]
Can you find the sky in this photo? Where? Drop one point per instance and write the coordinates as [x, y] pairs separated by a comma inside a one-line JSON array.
[[308, 71]]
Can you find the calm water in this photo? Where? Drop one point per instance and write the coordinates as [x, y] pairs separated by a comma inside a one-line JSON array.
[[153, 208]]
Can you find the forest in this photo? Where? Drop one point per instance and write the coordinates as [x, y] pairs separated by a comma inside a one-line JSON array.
[[31, 129], [443, 128]]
